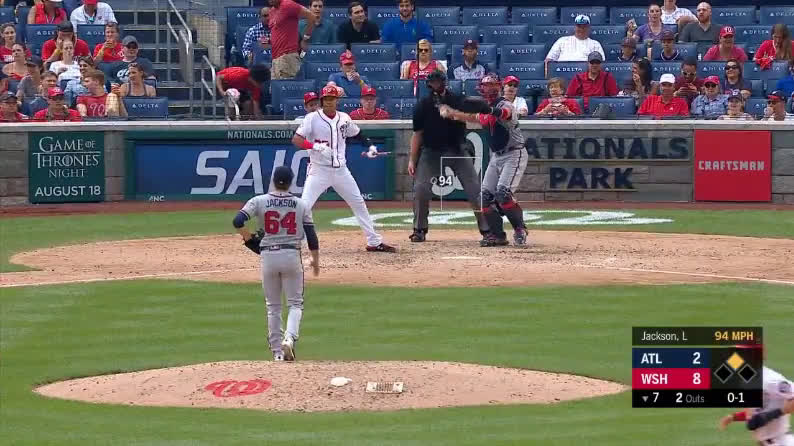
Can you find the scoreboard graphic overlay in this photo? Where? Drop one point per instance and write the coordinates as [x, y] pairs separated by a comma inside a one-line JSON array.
[[696, 367]]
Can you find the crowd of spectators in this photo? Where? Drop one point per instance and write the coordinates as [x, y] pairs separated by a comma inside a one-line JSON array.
[[69, 81]]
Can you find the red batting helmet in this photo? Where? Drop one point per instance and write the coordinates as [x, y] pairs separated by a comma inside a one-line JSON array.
[[329, 90], [309, 96], [490, 87]]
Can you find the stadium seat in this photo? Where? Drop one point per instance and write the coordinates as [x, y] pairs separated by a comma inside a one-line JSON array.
[[31, 106], [36, 35], [579, 100], [620, 70], [772, 15], [7, 15], [239, 36], [566, 70], [381, 14], [533, 87], [335, 15], [758, 88], [621, 15], [379, 71], [470, 87], [531, 52], [734, 15], [486, 53], [456, 86], [151, 108], [92, 34], [292, 108], [374, 52], [753, 33], [606, 34], [522, 70], [706, 69], [702, 48], [622, 106], [408, 51], [505, 34], [347, 105], [549, 34], [454, 34], [755, 106], [394, 89], [325, 53], [660, 68], [484, 16], [401, 108], [534, 15], [686, 50], [321, 70], [263, 56], [778, 70], [449, 15], [237, 17], [281, 90], [598, 14]]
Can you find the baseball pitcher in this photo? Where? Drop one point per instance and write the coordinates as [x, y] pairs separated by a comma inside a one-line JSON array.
[[324, 133], [770, 424], [506, 166], [284, 220]]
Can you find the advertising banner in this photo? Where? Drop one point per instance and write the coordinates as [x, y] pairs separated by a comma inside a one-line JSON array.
[[66, 167], [181, 170], [733, 165]]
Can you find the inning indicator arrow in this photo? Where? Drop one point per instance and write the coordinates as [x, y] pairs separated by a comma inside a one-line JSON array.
[[645, 398]]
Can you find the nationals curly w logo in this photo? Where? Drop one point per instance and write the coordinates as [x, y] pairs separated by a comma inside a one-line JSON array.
[[226, 389]]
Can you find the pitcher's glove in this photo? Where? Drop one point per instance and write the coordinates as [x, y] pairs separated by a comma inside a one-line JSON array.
[[253, 242]]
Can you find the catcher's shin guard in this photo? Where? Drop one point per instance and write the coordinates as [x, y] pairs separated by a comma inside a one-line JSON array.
[[494, 220], [514, 214]]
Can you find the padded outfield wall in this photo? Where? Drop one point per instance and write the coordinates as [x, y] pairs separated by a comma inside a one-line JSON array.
[[568, 160]]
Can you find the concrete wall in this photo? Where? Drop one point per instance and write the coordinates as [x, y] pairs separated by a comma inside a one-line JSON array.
[[663, 175]]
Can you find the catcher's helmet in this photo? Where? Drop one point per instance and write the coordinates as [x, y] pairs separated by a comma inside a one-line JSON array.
[[490, 87]]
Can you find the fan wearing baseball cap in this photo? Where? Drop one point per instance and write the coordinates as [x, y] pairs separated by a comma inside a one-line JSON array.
[[369, 110], [348, 78], [93, 12], [575, 48], [776, 107], [51, 50], [471, 68], [8, 109], [56, 108], [593, 82], [736, 108], [664, 104], [711, 104], [726, 49]]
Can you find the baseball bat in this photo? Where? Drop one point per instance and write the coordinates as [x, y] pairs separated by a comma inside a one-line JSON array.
[[379, 154]]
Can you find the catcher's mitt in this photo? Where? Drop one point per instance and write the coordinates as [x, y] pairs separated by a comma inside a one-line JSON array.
[[253, 242]]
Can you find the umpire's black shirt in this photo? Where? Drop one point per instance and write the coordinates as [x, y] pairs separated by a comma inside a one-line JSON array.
[[439, 133]]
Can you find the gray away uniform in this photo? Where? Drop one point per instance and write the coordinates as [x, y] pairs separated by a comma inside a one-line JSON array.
[[505, 168], [282, 217]]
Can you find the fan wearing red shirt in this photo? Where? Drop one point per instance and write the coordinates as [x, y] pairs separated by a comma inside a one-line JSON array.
[[97, 104], [283, 24], [111, 50], [8, 109], [665, 104], [47, 12], [594, 82], [726, 49], [368, 111], [56, 108], [51, 50], [247, 83]]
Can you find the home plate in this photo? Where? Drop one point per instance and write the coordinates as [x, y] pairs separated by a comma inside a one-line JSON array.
[[461, 258]]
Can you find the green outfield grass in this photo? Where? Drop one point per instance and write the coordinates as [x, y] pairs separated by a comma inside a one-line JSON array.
[[21, 234], [52, 333]]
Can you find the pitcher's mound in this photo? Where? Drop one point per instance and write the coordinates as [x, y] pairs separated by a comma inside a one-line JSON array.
[[305, 386]]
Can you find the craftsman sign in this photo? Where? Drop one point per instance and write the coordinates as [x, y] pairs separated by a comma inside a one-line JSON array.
[[66, 167], [733, 165]]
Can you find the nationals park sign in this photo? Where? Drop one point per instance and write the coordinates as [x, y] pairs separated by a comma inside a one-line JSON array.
[[66, 167]]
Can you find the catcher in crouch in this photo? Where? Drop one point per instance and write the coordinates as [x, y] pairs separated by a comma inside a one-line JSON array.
[[507, 164]]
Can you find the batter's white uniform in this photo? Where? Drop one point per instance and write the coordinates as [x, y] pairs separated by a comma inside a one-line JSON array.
[[777, 390], [329, 169], [281, 215]]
